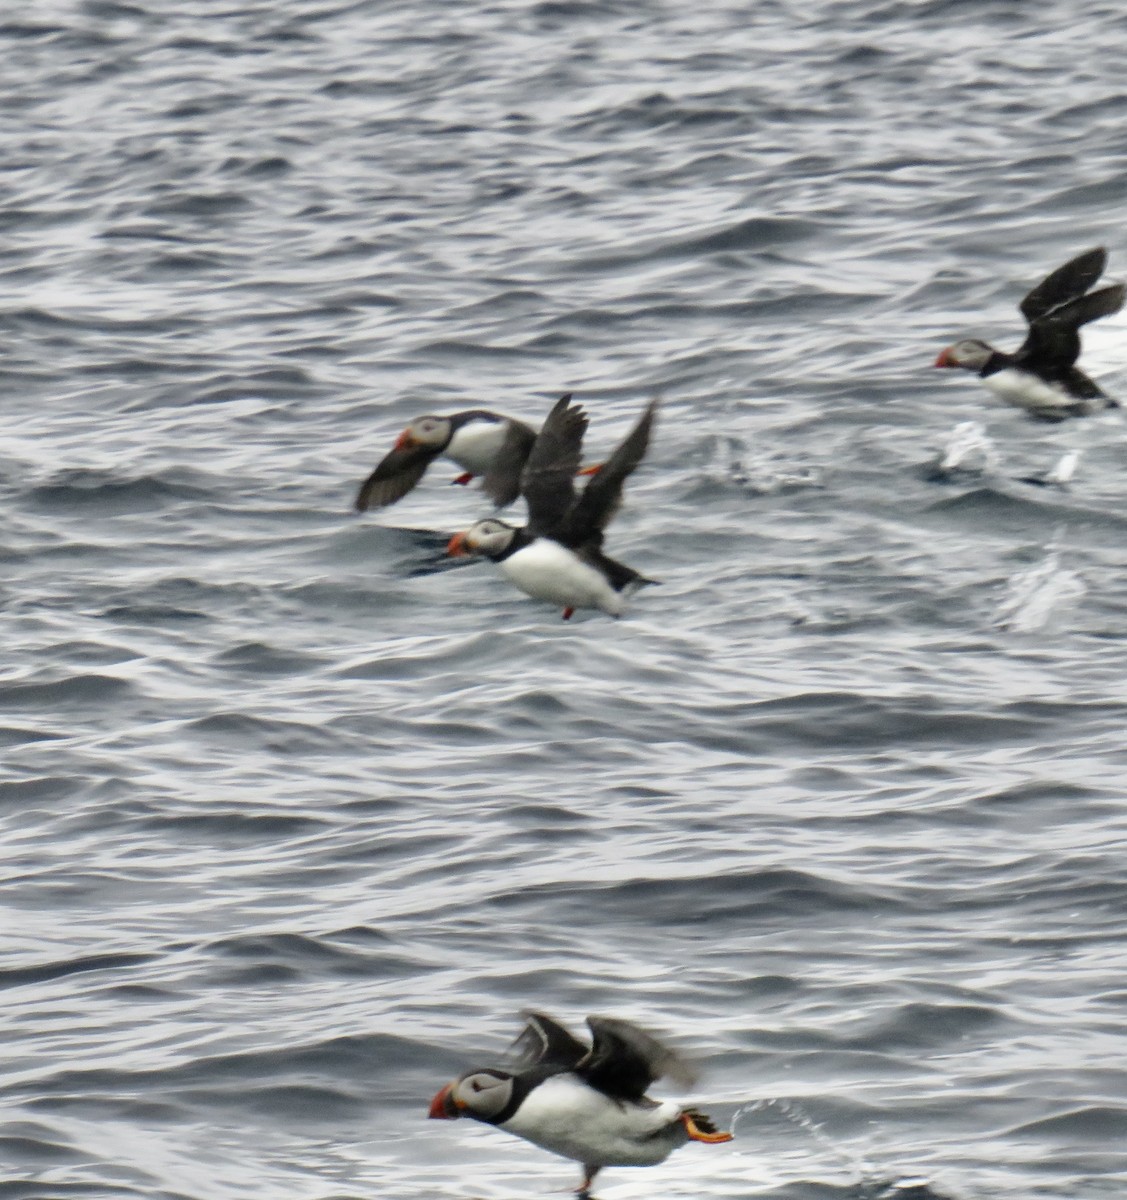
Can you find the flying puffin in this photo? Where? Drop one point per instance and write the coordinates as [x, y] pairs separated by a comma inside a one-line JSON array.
[[481, 443], [1041, 376], [558, 555], [587, 1103]]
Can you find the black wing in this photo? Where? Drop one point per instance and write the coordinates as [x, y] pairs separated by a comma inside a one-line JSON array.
[[602, 496], [396, 474], [502, 481], [548, 479], [624, 1060], [1064, 284], [1053, 344], [545, 1041]]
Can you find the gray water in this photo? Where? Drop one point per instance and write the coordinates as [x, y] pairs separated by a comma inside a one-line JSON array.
[[297, 817]]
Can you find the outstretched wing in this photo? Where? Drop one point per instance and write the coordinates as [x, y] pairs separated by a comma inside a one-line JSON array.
[[602, 496], [502, 481], [1053, 343], [396, 474], [1064, 284], [624, 1060], [547, 481], [545, 1041]]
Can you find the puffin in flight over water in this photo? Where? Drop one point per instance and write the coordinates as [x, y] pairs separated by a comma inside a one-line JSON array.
[[1041, 376], [481, 443], [558, 555], [587, 1103]]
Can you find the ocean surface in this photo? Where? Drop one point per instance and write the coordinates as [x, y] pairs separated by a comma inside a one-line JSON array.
[[297, 815]]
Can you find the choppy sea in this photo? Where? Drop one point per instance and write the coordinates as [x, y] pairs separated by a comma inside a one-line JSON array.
[[297, 817]]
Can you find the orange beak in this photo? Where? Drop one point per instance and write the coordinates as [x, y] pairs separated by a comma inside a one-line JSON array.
[[444, 1107], [943, 360], [404, 441], [456, 546]]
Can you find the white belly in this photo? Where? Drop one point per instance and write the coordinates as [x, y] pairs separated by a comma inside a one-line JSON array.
[[567, 1117], [475, 445], [548, 571], [1028, 392]]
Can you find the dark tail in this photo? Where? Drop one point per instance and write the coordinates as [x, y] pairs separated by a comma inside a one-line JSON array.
[[619, 574]]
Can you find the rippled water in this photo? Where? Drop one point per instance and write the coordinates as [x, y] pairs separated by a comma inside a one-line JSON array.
[[296, 817]]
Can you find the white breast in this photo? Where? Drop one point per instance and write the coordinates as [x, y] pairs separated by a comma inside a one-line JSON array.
[[1027, 391], [474, 446], [569, 1118], [548, 571]]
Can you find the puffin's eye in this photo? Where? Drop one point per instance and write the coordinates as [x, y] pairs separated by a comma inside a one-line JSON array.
[[475, 1085]]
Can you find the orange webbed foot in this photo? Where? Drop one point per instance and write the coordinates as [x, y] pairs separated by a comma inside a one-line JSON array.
[[700, 1129]]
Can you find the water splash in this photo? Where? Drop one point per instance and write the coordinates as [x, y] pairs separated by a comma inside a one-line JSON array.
[[909, 1184], [763, 473], [790, 1111], [1060, 475], [1065, 468], [1035, 592], [867, 1181], [967, 440]]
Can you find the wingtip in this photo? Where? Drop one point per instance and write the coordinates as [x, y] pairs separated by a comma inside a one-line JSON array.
[[562, 403], [1103, 303], [566, 404], [1094, 259]]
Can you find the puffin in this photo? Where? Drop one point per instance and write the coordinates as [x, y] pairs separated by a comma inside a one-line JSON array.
[[1041, 376], [481, 442], [558, 555], [583, 1102]]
